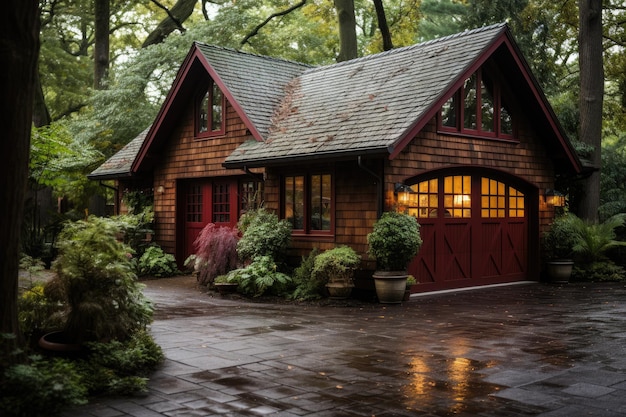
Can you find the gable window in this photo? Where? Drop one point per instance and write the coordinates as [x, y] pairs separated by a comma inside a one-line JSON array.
[[210, 112], [308, 203], [478, 108]]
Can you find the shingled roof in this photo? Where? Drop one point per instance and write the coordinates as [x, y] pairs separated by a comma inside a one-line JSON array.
[[120, 164], [367, 104], [257, 83], [370, 105]]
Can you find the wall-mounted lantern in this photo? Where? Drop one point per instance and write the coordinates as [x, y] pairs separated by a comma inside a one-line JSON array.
[[555, 198], [402, 192]]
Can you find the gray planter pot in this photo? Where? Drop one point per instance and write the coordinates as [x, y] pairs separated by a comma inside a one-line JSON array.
[[390, 286], [560, 270]]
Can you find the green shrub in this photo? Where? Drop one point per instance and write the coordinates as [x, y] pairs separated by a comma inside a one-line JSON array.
[[306, 286], [40, 388], [263, 235], [394, 241], [96, 279], [259, 278], [120, 367], [599, 272], [37, 313], [559, 240], [134, 229], [156, 262], [336, 265]]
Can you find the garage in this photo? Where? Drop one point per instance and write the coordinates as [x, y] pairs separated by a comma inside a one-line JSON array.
[[475, 228]]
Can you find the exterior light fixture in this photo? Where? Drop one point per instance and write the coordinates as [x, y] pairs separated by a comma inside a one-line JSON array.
[[555, 198], [160, 189], [402, 192]]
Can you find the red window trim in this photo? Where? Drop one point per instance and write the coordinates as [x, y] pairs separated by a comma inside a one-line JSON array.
[[461, 130], [306, 231], [209, 133]]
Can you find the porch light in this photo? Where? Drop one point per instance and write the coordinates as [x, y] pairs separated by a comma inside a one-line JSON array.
[[555, 198], [402, 192], [160, 189]]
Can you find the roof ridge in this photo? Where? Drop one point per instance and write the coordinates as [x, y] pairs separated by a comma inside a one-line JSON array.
[[271, 58], [466, 32]]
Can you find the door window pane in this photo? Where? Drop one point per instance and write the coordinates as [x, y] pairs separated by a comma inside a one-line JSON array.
[[221, 203], [516, 203], [457, 196], [424, 199], [194, 204]]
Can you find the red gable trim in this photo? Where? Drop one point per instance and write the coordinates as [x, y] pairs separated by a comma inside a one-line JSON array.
[[506, 39], [172, 100]]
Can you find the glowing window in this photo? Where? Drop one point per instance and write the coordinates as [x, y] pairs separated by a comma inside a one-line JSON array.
[[424, 199], [457, 196], [494, 197], [516, 203]]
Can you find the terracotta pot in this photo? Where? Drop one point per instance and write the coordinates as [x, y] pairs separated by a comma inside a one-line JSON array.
[[390, 286], [57, 342]]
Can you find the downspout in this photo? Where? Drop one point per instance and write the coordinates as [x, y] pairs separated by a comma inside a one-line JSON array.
[[379, 188], [259, 177]]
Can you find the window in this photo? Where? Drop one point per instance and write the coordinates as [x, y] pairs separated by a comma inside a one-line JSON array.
[[477, 108], [251, 195], [194, 204], [221, 203], [210, 112], [494, 195], [307, 202]]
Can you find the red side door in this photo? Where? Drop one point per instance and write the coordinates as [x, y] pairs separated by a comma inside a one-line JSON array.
[[203, 202]]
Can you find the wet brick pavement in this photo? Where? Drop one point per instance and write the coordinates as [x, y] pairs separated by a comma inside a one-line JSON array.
[[521, 350]]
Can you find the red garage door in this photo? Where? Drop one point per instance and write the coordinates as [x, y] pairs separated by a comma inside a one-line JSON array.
[[475, 232]]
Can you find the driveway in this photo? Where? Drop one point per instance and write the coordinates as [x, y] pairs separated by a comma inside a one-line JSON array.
[[520, 350]]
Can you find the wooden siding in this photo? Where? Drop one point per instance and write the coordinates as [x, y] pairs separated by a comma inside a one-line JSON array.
[[355, 207], [527, 159], [185, 157]]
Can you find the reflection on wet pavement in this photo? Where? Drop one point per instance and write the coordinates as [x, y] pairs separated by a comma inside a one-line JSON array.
[[520, 350]]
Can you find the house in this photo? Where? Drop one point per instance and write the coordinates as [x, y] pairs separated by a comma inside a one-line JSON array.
[[455, 131]]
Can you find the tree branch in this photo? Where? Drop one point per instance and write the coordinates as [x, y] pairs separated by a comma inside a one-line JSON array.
[[255, 31], [177, 22]]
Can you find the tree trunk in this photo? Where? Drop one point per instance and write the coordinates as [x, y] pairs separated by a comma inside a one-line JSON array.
[[102, 14], [382, 25], [19, 49], [347, 30], [591, 96]]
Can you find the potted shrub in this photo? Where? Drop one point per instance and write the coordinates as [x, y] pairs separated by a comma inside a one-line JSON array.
[[97, 285], [558, 245], [394, 241], [336, 267]]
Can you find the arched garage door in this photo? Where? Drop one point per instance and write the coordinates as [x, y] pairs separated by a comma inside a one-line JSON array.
[[474, 228]]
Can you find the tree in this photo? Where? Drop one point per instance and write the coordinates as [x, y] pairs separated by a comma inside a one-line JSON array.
[[19, 49], [382, 25], [591, 99], [347, 29], [102, 15]]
